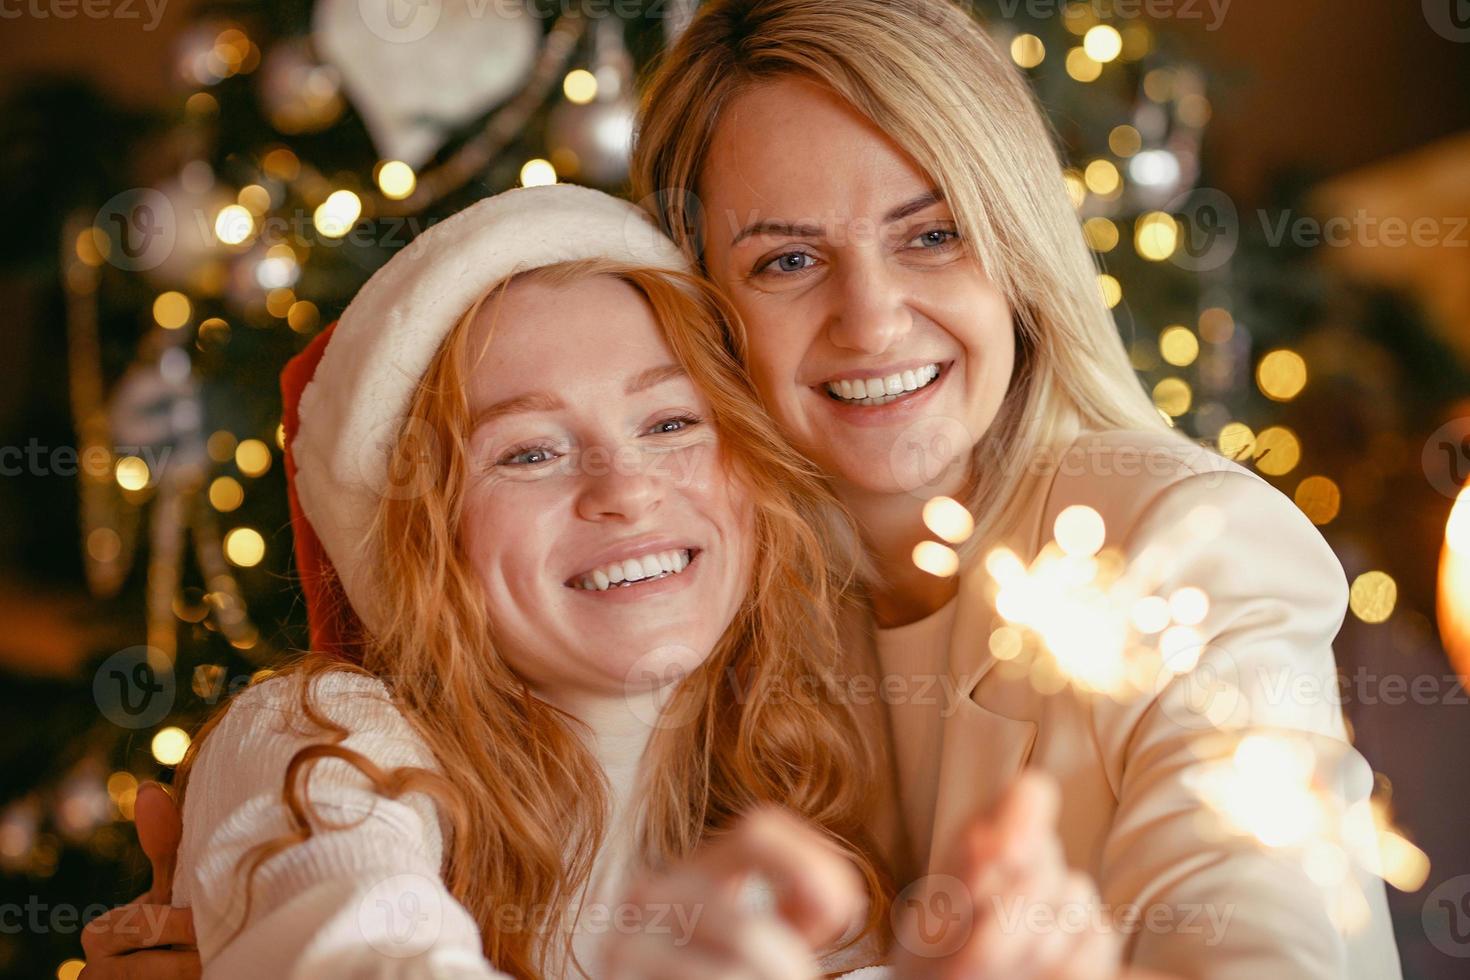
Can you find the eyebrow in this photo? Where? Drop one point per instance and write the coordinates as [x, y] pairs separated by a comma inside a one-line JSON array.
[[541, 401], [793, 229]]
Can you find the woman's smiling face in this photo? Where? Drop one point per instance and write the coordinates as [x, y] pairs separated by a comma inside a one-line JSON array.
[[881, 347], [593, 465]]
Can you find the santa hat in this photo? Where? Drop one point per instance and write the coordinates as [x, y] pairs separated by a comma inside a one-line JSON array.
[[346, 394]]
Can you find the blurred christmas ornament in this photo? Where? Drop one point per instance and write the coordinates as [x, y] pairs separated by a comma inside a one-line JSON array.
[[414, 80], [299, 93], [591, 133]]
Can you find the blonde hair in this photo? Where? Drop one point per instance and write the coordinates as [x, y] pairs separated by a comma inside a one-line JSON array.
[[927, 75], [523, 796]]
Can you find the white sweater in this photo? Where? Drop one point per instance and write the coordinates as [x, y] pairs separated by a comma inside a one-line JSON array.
[[363, 902]]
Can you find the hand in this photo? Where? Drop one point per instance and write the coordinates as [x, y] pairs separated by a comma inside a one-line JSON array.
[[711, 934], [148, 937], [1010, 908]]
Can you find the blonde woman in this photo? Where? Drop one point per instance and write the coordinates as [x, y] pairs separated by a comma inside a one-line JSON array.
[[543, 733], [873, 187]]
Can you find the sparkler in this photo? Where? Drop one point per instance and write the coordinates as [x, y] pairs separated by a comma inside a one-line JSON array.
[[1101, 623]]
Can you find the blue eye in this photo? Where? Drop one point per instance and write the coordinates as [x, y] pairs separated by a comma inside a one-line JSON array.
[[677, 423], [527, 456], [949, 236], [782, 263]]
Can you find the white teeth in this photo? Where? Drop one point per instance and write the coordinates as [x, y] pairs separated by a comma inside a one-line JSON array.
[[881, 391], [620, 574]]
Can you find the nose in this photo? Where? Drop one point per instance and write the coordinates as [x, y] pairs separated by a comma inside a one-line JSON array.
[[618, 486], [871, 315]]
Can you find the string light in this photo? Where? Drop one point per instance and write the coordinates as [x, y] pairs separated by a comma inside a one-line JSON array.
[[1373, 596], [1281, 375], [396, 180], [1027, 50], [537, 173]]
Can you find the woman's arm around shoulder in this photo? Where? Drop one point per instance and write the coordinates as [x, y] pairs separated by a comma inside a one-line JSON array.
[[363, 901]]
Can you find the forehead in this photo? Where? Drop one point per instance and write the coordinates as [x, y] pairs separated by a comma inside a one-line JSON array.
[[584, 334], [791, 148]]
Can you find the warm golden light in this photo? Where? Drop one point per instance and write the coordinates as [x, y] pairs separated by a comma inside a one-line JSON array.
[[1125, 141], [335, 216], [170, 744], [1236, 441], [1454, 585], [580, 86], [1080, 531], [1277, 451], [1103, 43], [226, 494], [1173, 396], [1281, 375], [1156, 236], [1028, 51], [537, 173], [244, 547], [253, 457], [1112, 290], [1102, 234], [1216, 325], [949, 519], [1102, 177], [132, 473], [1189, 606], [1319, 498], [1076, 186], [1082, 66], [396, 180], [936, 559], [1179, 346], [1151, 614], [234, 224], [1373, 596], [171, 310], [254, 198]]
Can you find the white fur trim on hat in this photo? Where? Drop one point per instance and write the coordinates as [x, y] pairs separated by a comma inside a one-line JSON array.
[[352, 409]]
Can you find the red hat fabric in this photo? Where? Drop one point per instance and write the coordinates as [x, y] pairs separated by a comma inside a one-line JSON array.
[[334, 629]]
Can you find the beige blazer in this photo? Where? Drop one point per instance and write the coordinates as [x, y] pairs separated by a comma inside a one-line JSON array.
[[1205, 905]]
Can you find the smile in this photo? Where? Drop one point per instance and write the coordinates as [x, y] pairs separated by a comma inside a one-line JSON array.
[[629, 572], [870, 392]]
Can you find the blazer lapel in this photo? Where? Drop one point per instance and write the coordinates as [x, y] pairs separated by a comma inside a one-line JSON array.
[[982, 750]]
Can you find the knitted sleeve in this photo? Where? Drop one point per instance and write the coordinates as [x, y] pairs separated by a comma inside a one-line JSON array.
[[367, 901]]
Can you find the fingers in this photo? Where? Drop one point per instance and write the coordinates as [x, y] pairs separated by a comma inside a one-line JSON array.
[[137, 926], [818, 891], [153, 964], [160, 828], [1023, 818]]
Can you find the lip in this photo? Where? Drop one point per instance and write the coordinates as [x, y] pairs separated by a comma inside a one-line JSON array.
[[900, 411], [882, 372], [633, 548]]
